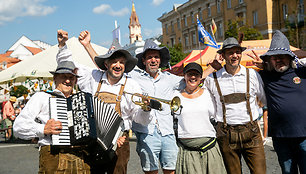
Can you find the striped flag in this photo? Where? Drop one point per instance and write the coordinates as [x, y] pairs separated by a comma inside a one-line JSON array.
[[213, 26], [205, 37]]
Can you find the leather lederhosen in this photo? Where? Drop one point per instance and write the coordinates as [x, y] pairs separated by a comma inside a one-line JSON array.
[[118, 164], [242, 139]]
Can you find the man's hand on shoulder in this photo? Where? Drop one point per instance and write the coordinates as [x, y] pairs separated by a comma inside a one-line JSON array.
[[62, 37]]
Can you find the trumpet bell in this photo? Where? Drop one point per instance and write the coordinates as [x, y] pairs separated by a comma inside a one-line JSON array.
[[175, 104]]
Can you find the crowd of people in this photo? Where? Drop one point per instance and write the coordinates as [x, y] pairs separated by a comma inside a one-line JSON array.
[[10, 109], [216, 124]]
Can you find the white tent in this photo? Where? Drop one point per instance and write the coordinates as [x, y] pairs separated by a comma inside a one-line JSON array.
[[39, 65]]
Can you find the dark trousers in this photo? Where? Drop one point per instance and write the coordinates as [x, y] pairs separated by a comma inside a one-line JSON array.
[[291, 153], [114, 163], [241, 140]]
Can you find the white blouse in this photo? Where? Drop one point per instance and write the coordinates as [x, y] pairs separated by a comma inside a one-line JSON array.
[[194, 120]]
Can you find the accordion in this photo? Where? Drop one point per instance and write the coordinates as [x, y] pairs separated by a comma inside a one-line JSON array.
[[85, 118]]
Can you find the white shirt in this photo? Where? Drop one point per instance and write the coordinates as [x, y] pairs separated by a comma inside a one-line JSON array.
[[89, 80], [27, 126], [194, 121], [236, 113]]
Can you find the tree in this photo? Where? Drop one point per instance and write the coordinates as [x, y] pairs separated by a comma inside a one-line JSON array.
[[19, 91], [235, 27], [176, 53]]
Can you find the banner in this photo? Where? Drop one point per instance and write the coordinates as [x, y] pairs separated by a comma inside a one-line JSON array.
[[116, 34], [205, 37]]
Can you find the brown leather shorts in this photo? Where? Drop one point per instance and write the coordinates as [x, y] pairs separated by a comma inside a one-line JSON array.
[[62, 160]]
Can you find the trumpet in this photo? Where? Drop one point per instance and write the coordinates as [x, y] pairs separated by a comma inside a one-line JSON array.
[[155, 103]]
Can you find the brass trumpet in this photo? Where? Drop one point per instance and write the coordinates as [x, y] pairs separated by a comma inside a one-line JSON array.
[[175, 103]]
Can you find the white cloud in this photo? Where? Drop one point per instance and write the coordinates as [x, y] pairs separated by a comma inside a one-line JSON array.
[[147, 32], [12, 9], [107, 9], [157, 2]]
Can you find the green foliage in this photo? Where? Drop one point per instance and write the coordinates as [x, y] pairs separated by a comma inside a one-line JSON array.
[[176, 54], [294, 34], [18, 91], [249, 33]]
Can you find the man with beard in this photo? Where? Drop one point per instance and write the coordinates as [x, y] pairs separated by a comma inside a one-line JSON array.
[[109, 83], [156, 145], [235, 89], [285, 87]]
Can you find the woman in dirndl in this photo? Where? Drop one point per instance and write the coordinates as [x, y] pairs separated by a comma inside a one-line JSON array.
[[196, 137]]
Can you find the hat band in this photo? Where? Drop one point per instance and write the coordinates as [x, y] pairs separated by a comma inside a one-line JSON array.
[[64, 69]]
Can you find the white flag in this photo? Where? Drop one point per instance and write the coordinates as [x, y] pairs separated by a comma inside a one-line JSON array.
[[116, 34]]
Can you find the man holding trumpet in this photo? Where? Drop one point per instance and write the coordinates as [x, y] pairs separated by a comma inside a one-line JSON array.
[[109, 83]]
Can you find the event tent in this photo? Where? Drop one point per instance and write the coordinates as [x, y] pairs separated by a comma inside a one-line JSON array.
[[202, 57], [39, 65]]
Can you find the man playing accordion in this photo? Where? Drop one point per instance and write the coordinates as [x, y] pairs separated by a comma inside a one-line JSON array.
[[109, 83], [34, 121]]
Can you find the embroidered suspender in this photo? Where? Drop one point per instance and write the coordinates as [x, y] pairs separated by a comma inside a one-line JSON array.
[[234, 97], [108, 97]]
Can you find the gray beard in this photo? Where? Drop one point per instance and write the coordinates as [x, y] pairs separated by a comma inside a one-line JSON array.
[[152, 70], [282, 69]]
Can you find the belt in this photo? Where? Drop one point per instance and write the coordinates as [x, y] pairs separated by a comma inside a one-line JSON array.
[[65, 149], [237, 126]]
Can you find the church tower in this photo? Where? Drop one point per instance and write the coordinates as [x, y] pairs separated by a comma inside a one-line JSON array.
[[135, 27]]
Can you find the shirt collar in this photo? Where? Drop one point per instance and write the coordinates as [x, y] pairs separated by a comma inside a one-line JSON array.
[[120, 82], [56, 91], [242, 71]]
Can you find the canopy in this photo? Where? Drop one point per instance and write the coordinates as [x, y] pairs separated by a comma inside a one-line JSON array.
[[202, 57], [39, 65]]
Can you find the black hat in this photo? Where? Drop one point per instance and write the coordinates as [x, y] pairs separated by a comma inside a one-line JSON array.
[[151, 45], [193, 66], [230, 43], [116, 47], [279, 45], [65, 67]]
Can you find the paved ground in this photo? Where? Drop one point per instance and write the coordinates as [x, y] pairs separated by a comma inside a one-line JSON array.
[[20, 157]]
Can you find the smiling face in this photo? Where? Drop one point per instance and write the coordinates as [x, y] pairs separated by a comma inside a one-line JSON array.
[[65, 83], [232, 57], [151, 61], [115, 68], [280, 62], [192, 79]]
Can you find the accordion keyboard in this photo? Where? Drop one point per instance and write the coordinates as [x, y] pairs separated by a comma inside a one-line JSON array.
[[58, 111]]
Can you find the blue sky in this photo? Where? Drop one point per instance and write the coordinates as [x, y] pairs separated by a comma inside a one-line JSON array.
[[40, 19]]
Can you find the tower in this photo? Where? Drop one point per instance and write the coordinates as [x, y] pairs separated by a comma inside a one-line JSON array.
[[134, 26]]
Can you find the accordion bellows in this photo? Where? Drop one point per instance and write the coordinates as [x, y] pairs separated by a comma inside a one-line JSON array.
[[85, 118]]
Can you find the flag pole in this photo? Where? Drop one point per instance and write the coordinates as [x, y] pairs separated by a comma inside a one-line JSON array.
[[199, 44], [212, 32]]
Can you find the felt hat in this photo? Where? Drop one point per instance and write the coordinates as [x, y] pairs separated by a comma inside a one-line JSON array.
[[279, 45], [151, 45], [116, 47], [65, 67], [230, 43]]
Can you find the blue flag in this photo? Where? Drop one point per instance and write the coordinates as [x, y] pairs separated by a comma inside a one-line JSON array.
[[205, 37]]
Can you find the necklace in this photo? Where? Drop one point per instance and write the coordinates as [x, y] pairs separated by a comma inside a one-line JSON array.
[[192, 93]]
